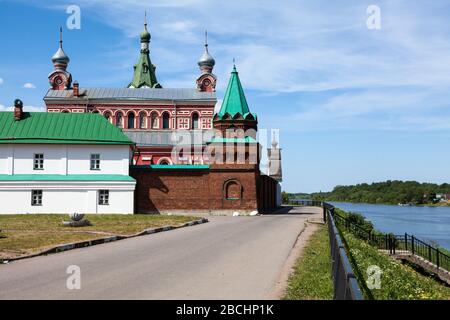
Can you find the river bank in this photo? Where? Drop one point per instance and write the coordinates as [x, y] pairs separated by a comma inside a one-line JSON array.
[[428, 223]]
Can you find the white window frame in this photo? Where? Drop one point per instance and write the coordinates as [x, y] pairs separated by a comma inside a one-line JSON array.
[[38, 161], [103, 197], [36, 198], [95, 161]]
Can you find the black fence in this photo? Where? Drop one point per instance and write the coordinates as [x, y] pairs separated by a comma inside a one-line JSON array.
[[397, 244], [312, 203], [345, 284]]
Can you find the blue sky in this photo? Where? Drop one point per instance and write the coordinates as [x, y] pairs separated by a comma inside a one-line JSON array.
[[352, 104]]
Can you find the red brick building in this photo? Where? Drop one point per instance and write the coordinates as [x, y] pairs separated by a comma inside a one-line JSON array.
[[187, 159], [145, 110]]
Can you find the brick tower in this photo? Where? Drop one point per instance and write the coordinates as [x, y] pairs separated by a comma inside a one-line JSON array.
[[234, 151]]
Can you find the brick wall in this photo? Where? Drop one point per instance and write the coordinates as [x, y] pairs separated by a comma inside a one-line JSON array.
[[215, 190]]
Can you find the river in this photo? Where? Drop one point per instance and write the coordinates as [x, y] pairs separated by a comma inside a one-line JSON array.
[[426, 223]]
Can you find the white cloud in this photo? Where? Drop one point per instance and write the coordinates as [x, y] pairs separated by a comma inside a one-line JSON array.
[[385, 79], [29, 85], [25, 108], [1, 81]]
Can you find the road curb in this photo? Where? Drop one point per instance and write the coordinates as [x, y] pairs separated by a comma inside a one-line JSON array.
[[89, 243]]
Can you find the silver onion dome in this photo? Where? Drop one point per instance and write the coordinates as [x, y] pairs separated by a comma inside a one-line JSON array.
[[206, 60], [60, 57]]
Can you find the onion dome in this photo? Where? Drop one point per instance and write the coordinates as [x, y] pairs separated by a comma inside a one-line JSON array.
[[145, 35], [60, 57], [206, 60]]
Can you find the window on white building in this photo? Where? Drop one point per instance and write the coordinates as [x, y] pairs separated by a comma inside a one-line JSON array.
[[103, 197], [95, 161], [36, 197], [38, 163]]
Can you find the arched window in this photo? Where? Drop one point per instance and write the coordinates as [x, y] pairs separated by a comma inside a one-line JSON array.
[[232, 190], [154, 121], [142, 120], [194, 125], [166, 121], [107, 115], [131, 120], [164, 161], [119, 120]]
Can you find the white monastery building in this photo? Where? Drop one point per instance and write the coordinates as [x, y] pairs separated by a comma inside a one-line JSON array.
[[63, 163]]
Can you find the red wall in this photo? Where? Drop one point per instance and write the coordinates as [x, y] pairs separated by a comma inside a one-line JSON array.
[[162, 190]]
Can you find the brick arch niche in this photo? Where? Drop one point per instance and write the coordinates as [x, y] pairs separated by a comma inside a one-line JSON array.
[[232, 190]]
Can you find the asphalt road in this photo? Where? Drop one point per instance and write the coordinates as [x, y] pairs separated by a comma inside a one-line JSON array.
[[227, 258]]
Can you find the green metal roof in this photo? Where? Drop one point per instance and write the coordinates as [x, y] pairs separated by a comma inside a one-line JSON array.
[[232, 140], [144, 71], [59, 128], [234, 101], [174, 166], [69, 177]]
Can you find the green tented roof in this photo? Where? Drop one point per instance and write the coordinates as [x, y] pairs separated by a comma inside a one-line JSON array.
[[234, 101], [68, 177], [59, 128], [232, 140]]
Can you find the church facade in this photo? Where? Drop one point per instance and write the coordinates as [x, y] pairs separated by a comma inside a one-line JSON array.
[[187, 158], [148, 113]]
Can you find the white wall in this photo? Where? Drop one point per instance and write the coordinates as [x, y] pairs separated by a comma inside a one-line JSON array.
[[66, 197], [113, 159], [64, 159], [6, 159]]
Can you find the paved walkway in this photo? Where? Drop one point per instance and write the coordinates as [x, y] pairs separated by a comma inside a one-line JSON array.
[[227, 258]]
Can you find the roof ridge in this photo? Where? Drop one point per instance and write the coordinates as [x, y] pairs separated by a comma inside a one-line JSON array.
[[43, 127]]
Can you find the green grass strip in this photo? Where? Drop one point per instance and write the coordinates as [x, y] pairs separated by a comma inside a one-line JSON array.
[[398, 281], [311, 279]]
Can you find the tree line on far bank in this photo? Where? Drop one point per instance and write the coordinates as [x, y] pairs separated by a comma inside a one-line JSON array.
[[388, 192]]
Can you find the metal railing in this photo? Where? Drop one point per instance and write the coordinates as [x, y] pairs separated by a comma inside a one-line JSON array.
[[396, 244], [393, 244], [345, 283]]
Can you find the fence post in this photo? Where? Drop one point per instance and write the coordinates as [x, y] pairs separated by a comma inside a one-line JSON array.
[[394, 243], [429, 253], [386, 241], [390, 244], [324, 214], [437, 257], [412, 244]]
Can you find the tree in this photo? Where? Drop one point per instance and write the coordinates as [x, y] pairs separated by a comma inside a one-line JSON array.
[[284, 197]]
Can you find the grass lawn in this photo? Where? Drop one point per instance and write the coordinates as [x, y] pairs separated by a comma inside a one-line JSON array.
[[398, 281], [311, 279], [25, 234]]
